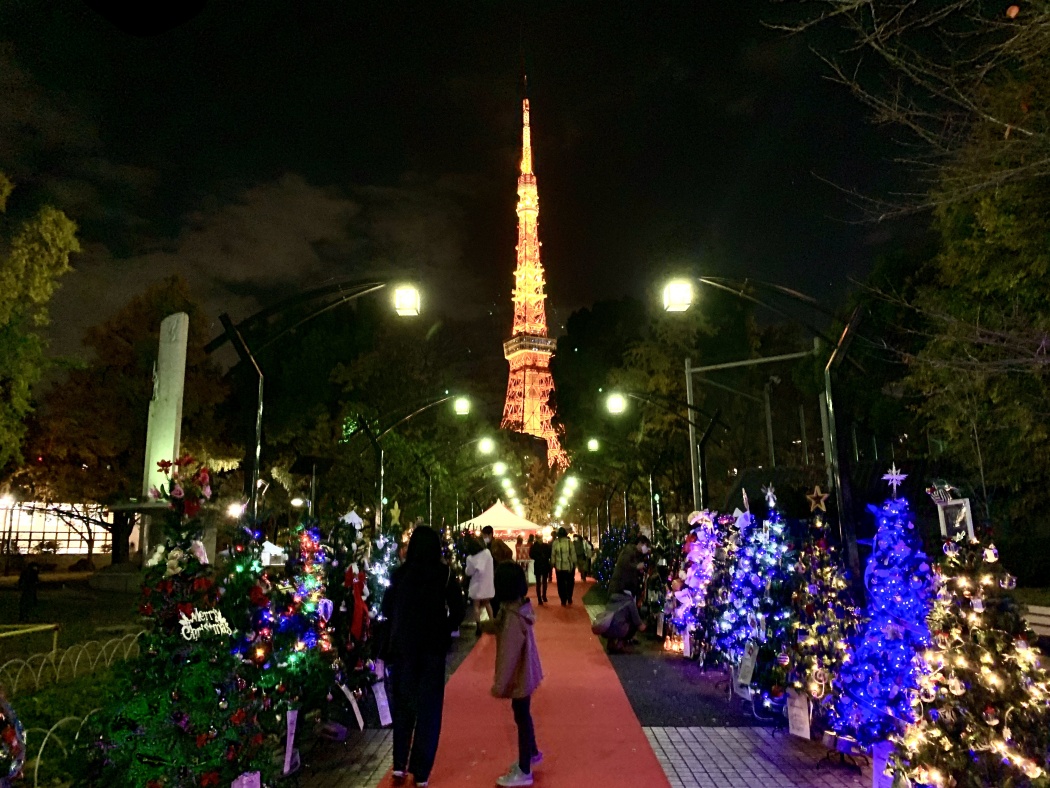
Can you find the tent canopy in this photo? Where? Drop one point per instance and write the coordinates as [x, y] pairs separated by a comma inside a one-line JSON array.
[[505, 524]]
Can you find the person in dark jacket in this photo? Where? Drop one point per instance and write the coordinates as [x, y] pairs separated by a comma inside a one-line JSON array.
[[540, 553], [424, 606], [627, 574]]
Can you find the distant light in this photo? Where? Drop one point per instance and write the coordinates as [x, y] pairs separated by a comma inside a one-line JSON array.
[[506, 483], [572, 482], [499, 468], [6, 501], [298, 502], [235, 510], [406, 300], [486, 446], [678, 295], [593, 445], [616, 403], [462, 406]]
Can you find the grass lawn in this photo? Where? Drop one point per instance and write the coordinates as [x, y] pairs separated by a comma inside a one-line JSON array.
[[1033, 596], [78, 610]]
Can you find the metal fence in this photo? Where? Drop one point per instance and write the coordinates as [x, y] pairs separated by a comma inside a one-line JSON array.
[[39, 670]]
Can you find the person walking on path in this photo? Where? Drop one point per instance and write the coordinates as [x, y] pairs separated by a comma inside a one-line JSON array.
[[627, 573], [563, 557], [540, 553], [583, 558], [423, 606], [479, 569], [28, 581], [501, 552], [518, 670], [521, 550]]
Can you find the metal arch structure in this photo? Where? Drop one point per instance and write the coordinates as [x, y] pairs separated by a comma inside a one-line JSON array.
[[529, 349]]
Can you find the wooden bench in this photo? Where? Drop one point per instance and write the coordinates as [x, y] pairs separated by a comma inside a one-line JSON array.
[[1039, 620]]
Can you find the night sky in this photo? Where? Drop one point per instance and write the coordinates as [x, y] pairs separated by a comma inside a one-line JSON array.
[[266, 147]]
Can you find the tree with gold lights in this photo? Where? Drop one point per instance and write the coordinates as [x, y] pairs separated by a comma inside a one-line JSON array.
[[983, 703], [826, 614]]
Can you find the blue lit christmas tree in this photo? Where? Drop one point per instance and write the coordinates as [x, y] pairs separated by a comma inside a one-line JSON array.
[[759, 606], [879, 675]]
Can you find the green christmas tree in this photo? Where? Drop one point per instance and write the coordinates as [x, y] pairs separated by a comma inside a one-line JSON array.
[[189, 718], [983, 703], [825, 615]]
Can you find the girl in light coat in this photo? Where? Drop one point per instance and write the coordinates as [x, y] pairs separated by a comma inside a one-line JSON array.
[[480, 571], [518, 669]]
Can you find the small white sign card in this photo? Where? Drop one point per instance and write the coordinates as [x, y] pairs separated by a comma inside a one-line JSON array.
[[660, 624], [687, 645], [382, 704], [292, 717], [353, 704], [747, 663], [798, 714], [248, 780], [880, 752]]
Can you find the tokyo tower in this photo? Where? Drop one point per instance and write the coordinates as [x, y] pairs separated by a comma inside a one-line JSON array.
[[529, 349]]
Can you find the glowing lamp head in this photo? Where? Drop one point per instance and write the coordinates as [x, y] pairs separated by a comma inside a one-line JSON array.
[[506, 483], [499, 468], [486, 446], [616, 404], [298, 502], [406, 300], [678, 295], [593, 445], [6, 501], [462, 406], [572, 482], [234, 510]]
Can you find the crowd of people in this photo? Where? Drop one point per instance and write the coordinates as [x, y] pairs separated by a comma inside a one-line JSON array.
[[425, 604]]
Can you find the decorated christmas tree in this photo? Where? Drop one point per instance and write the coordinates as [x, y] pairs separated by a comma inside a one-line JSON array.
[[189, 718], [826, 615], [879, 671], [688, 596], [982, 713], [612, 542], [759, 610]]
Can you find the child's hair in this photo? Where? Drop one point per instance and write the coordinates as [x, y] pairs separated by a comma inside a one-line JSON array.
[[510, 582]]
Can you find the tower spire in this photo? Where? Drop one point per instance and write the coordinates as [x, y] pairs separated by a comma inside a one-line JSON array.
[[529, 349]]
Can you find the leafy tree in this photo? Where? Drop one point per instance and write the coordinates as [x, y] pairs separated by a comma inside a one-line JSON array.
[[34, 253]]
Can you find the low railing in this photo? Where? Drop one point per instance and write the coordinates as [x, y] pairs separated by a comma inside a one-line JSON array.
[[1038, 619], [51, 736], [17, 630], [32, 673]]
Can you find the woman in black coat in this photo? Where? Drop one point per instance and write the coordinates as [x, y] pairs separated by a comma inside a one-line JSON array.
[[423, 607]]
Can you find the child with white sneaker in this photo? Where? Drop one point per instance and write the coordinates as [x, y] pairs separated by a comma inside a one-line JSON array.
[[518, 669]]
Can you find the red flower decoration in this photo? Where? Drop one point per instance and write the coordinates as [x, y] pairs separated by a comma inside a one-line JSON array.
[[201, 584], [185, 608], [202, 739], [146, 610], [165, 465], [210, 778], [238, 717], [256, 740], [258, 596], [191, 507]]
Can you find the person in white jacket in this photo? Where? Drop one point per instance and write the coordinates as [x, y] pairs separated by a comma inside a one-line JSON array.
[[482, 586]]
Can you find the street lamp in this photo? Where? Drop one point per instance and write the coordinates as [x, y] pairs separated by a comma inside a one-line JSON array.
[[678, 295], [499, 468], [298, 502], [406, 300], [678, 299], [505, 483], [486, 446], [462, 406], [593, 444], [615, 404], [235, 510]]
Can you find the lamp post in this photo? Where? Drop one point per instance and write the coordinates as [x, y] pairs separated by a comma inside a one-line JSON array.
[[679, 295], [406, 304]]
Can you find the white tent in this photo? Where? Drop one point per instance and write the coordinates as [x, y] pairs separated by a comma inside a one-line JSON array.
[[505, 524]]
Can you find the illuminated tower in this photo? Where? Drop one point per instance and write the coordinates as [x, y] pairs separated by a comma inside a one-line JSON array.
[[529, 349]]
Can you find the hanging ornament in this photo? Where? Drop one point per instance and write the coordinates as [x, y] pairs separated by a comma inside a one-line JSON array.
[[991, 555], [783, 659], [990, 715], [977, 603], [955, 686], [951, 549], [1013, 11], [1008, 582]]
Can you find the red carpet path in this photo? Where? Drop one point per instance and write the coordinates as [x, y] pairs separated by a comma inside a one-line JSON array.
[[585, 726]]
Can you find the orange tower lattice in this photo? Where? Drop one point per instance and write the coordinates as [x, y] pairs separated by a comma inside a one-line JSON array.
[[529, 349]]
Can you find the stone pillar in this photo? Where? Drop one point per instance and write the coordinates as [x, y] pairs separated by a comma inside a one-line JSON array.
[[164, 430]]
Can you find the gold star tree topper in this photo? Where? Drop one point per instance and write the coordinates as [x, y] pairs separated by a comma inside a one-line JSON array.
[[817, 500]]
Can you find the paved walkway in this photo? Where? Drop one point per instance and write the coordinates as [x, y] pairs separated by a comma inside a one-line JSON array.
[[588, 730]]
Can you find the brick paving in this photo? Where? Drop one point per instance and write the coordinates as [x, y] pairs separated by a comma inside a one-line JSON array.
[[746, 757], [359, 762]]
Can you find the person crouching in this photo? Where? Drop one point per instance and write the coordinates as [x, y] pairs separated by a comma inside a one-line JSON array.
[[518, 669]]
